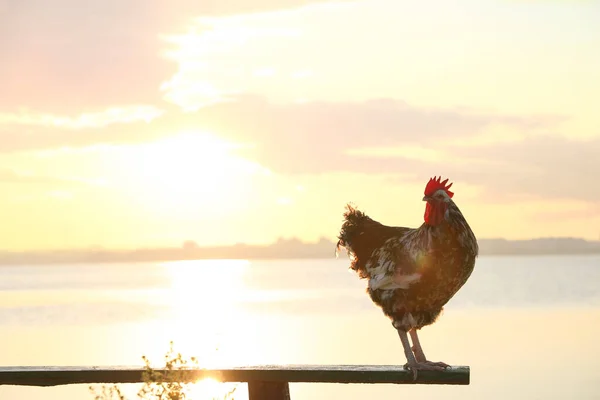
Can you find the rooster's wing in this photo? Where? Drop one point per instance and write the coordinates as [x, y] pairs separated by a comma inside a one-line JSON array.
[[393, 266]]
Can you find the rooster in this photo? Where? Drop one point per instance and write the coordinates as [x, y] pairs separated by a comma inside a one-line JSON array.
[[413, 273]]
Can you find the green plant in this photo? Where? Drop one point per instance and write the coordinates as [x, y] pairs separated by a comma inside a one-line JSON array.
[[169, 383]]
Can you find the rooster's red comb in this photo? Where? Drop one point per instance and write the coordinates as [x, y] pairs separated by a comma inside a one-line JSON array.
[[436, 184]]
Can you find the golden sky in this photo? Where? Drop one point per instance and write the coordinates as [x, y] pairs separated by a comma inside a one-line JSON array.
[[147, 123]]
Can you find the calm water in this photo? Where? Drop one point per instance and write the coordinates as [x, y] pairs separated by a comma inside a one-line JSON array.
[[527, 326]]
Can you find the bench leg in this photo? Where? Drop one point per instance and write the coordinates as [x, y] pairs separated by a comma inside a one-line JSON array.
[[268, 391]]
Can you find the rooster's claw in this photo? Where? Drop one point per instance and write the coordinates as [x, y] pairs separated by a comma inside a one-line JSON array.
[[425, 366]]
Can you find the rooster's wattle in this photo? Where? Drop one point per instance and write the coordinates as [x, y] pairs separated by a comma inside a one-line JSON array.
[[413, 273]]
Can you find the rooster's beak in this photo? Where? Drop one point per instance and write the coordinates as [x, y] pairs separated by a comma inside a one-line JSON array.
[[426, 198]]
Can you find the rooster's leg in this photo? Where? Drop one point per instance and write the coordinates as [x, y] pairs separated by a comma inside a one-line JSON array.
[[412, 363], [418, 350]]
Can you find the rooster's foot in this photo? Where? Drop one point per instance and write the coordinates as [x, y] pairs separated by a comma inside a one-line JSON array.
[[425, 366]]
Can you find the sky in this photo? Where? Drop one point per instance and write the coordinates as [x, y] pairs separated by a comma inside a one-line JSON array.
[[149, 123]]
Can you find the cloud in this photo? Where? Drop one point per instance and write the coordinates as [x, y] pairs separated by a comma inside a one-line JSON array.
[[8, 175], [535, 168], [284, 136], [541, 166], [91, 54], [95, 53], [11, 176], [321, 137], [16, 139], [24, 130], [317, 136], [112, 115]]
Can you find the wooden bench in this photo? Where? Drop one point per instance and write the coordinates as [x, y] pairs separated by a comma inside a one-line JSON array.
[[264, 382]]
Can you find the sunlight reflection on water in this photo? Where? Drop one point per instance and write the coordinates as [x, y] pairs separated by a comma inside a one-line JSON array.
[[516, 322]]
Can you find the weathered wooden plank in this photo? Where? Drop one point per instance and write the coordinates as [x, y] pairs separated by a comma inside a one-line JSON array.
[[52, 376], [268, 391]]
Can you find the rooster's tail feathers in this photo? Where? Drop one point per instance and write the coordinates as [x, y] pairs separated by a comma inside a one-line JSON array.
[[353, 225]]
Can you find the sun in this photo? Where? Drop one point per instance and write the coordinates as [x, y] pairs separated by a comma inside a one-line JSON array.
[[180, 173]]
